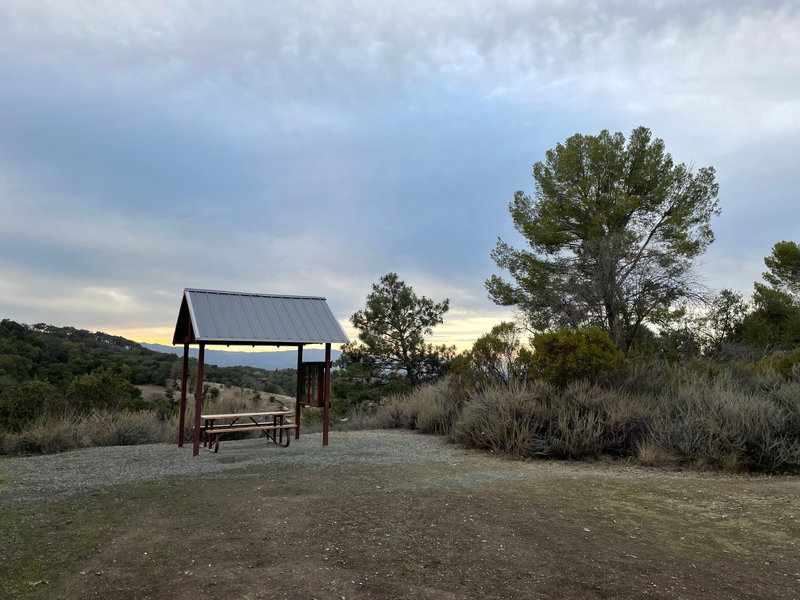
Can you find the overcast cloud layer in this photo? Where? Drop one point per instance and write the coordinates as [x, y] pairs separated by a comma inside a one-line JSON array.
[[313, 147]]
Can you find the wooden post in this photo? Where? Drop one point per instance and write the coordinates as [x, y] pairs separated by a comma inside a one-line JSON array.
[[299, 392], [198, 398], [326, 395], [184, 378]]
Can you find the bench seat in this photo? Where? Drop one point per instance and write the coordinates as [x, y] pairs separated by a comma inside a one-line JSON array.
[[246, 427]]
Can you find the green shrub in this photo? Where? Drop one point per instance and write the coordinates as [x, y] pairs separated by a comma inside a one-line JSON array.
[[788, 363], [568, 355], [101, 390], [23, 404]]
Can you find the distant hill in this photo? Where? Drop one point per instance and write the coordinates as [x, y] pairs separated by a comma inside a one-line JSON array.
[[60, 354], [279, 359]]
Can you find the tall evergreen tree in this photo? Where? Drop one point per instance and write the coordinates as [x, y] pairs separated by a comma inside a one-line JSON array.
[[613, 229]]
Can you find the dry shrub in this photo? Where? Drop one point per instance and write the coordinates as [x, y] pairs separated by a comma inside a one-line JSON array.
[[426, 409], [124, 428], [723, 422], [593, 420], [230, 400], [45, 436], [99, 428], [397, 411], [732, 418], [505, 419], [188, 430], [653, 455], [432, 408], [540, 420], [438, 407], [354, 420]]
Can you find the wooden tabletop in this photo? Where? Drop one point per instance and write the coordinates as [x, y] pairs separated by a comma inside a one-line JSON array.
[[249, 414]]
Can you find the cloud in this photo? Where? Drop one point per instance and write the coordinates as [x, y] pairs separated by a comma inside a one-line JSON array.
[[312, 147]]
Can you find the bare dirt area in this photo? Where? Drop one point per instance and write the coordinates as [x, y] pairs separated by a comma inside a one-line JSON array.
[[396, 515]]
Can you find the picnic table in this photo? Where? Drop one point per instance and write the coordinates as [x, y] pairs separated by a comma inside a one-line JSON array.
[[275, 425]]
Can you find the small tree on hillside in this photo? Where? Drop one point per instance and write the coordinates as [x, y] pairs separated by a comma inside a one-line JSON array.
[[391, 339], [497, 356]]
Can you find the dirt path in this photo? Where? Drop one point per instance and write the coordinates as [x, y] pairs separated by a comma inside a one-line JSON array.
[[393, 515]]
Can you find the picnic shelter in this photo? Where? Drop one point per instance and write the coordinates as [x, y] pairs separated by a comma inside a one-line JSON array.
[[212, 317]]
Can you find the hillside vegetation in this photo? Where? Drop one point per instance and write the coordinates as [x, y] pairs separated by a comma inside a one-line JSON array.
[[65, 375]]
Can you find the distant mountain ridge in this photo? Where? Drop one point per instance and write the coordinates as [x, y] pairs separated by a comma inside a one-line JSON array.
[[279, 359]]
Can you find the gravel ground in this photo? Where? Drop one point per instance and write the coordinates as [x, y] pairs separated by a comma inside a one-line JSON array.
[[59, 476]]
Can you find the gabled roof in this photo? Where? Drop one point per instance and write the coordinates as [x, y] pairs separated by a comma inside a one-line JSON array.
[[216, 317]]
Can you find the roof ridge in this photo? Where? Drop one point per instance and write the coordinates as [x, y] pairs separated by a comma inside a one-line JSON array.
[[234, 293]]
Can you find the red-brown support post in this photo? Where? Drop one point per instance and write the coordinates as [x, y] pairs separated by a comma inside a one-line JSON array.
[[198, 398], [299, 392], [326, 395], [184, 378]]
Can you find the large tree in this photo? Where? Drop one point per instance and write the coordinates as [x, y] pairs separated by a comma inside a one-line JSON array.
[[391, 335], [613, 229]]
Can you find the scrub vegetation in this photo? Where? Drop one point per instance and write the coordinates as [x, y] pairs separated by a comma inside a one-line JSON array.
[[659, 415]]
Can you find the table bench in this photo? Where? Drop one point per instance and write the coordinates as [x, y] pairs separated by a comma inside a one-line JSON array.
[[271, 423]]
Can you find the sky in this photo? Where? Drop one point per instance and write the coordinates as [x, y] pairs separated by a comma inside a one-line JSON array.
[[312, 147]]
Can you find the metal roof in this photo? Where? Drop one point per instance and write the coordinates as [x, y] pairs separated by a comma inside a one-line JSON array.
[[212, 316]]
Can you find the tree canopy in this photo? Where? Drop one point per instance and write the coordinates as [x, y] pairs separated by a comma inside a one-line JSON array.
[[783, 266], [775, 322], [613, 228]]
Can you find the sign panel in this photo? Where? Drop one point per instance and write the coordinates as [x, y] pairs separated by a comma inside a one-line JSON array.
[[312, 383]]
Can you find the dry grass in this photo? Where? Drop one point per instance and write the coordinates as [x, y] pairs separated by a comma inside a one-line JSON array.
[[57, 433], [431, 409], [728, 423], [99, 428]]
